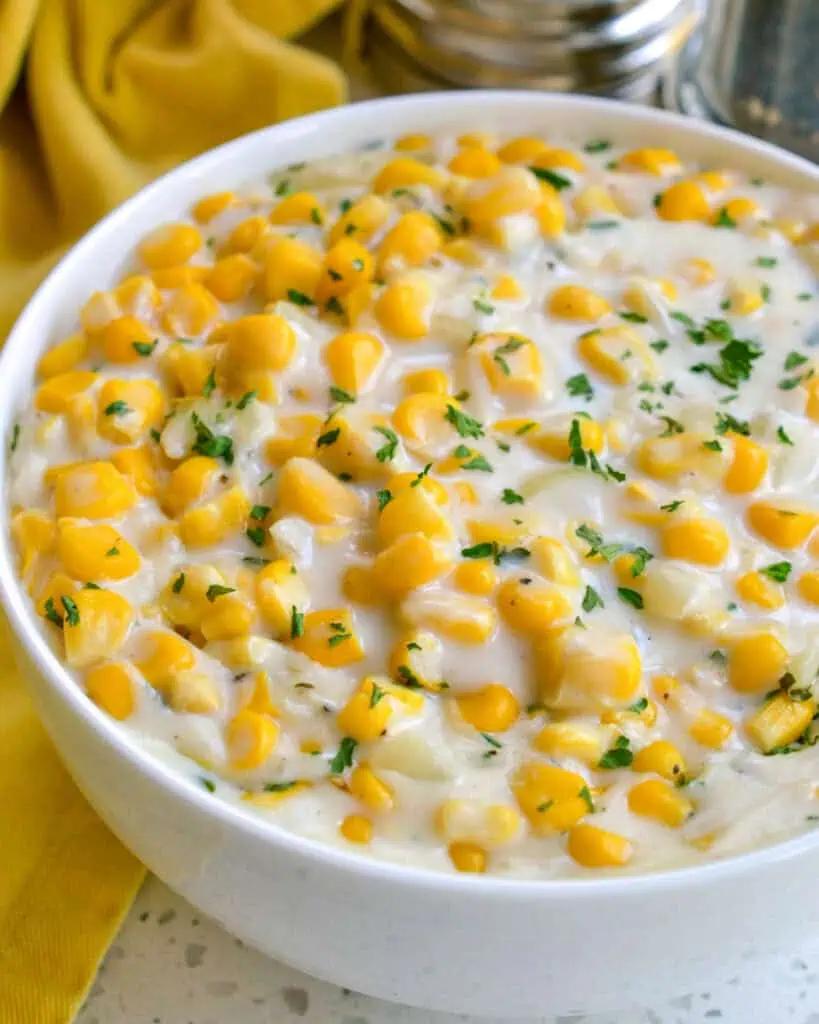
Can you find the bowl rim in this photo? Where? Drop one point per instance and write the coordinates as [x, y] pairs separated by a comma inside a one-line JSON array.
[[29, 634]]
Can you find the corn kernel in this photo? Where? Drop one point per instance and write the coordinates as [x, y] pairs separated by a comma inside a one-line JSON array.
[[476, 577], [475, 821], [576, 740], [33, 533], [411, 242], [405, 172], [780, 722], [475, 162], [281, 595], [128, 409], [231, 277], [402, 308], [465, 619], [575, 302], [111, 687], [170, 245], [251, 738], [684, 200], [211, 206], [365, 715], [808, 586], [619, 354], [588, 669], [95, 552], [658, 162], [657, 799], [662, 758], [552, 799], [373, 792], [64, 356], [98, 627], [756, 589], [329, 637], [786, 526], [291, 266], [467, 857], [353, 359], [92, 490], [701, 541], [711, 729], [533, 608], [364, 218], [593, 847], [748, 466], [756, 662], [493, 708], [307, 489]]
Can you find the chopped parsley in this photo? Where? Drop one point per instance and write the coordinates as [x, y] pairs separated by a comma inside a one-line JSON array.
[[491, 549], [597, 146], [660, 345], [340, 634], [725, 423], [712, 446], [384, 498], [296, 623], [579, 387], [112, 551], [299, 298], [777, 571], [259, 511], [388, 451], [602, 225], [245, 400], [340, 395], [510, 497], [376, 694], [145, 348], [723, 220], [465, 425], [672, 506], [736, 361], [213, 445], [794, 359], [639, 706], [631, 597], [207, 784], [597, 545], [209, 385], [343, 757], [512, 345], [782, 436], [328, 438], [618, 756], [766, 261], [217, 590], [118, 408], [178, 583], [592, 600], [479, 463], [15, 437], [52, 614], [482, 306], [672, 426], [72, 612], [256, 535], [633, 318], [557, 181]]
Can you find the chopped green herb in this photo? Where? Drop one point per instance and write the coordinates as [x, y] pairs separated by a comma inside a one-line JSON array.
[[216, 590], [672, 426], [712, 446], [512, 345], [388, 451], [344, 205], [585, 794], [579, 387], [315, 216], [777, 571], [672, 506], [155, 435], [52, 614], [724, 220], [486, 549], [15, 437], [510, 497], [246, 399], [376, 694], [633, 318], [299, 298], [384, 498], [541, 808], [631, 597], [683, 318], [178, 583], [406, 677], [596, 544], [213, 445], [344, 756], [145, 348], [642, 557], [525, 428], [118, 408], [766, 261], [557, 181], [340, 395], [789, 383], [597, 146], [463, 396], [112, 551], [256, 534], [660, 345], [638, 707], [618, 756], [492, 741], [328, 438], [794, 359], [210, 384], [782, 436], [259, 511], [478, 462], [207, 784], [296, 623], [804, 297], [482, 306], [333, 305], [725, 423], [465, 425], [255, 560], [278, 787], [592, 600], [735, 365], [72, 612], [602, 225]]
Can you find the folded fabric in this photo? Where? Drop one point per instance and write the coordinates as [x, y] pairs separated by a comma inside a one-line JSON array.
[[97, 97]]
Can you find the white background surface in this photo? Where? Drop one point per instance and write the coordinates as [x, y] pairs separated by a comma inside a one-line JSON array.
[[169, 965]]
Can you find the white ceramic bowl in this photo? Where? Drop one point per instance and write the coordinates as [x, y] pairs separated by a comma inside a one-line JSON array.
[[459, 943]]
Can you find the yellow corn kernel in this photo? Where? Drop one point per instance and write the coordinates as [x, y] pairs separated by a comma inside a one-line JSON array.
[[128, 409], [125, 338], [550, 212], [111, 687], [372, 791], [507, 287], [169, 278], [467, 620], [412, 511], [247, 234], [756, 662], [421, 420], [282, 596], [329, 637], [307, 489], [620, 354], [468, 858], [513, 191], [291, 266], [229, 616], [251, 738], [656, 799], [684, 200], [743, 300], [748, 466], [95, 552], [466, 493], [211, 206], [258, 699], [475, 162], [780, 721], [554, 562], [58, 393], [808, 586], [92, 490], [365, 715], [757, 589], [162, 656], [636, 299], [295, 437], [298, 208], [522, 150], [594, 847], [189, 368], [737, 209], [411, 242], [594, 200], [575, 302], [700, 272], [531, 608], [347, 265], [551, 798], [493, 708], [210, 523], [811, 387], [474, 821], [711, 729], [477, 577], [184, 598], [697, 540], [564, 158], [412, 142], [406, 172], [353, 358], [402, 308], [136, 464], [512, 365], [576, 740], [169, 245], [33, 533], [193, 693], [588, 670], [416, 660], [669, 457], [463, 251], [356, 829], [409, 562], [97, 628], [785, 525], [358, 585], [259, 342], [189, 483], [64, 356], [231, 277], [555, 441], [364, 218], [190, 311], [137, 294], [658, 162], [433, 381], [662, 758]]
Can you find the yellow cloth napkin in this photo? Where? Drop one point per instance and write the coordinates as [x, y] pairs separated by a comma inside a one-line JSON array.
[[96, 98]]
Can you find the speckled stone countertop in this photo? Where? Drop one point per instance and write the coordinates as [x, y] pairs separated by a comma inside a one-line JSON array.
[[170, 965]]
